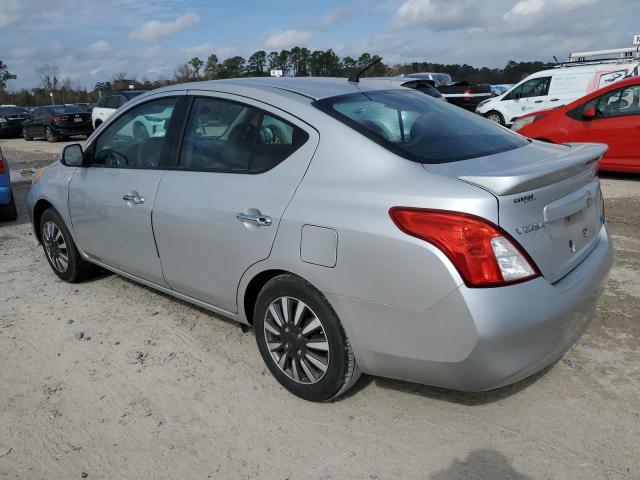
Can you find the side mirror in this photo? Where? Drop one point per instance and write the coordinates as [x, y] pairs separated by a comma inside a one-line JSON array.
[[72, 155], [589, 113]]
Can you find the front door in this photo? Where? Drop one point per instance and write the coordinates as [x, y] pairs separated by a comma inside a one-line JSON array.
[[617, 123], [111, 198], [218, 212], [529, 96]]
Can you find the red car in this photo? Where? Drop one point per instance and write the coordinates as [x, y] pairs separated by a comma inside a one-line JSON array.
[[610, 115]]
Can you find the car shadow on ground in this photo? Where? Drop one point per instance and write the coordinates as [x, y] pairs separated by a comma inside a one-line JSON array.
[[480, 463]]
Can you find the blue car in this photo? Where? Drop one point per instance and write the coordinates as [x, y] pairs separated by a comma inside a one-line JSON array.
[[8, 210]]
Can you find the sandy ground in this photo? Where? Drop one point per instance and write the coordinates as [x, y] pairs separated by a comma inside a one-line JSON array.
[[118, 381]]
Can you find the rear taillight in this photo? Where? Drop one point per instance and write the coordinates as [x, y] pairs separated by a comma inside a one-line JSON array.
[[56, 119], [3, 120], [1, 164], [483, 254], [467, 95]]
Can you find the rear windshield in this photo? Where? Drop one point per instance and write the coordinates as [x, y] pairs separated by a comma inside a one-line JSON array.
[[66, 109], [12, 111], [418, 127]]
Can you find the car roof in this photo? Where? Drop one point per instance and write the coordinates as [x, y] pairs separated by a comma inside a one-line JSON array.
[[314, 88]]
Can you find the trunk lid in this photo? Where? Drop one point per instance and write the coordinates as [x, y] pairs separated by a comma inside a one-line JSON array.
[[548, 199]]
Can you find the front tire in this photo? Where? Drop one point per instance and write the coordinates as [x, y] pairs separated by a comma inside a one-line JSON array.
[[60, 249], [302, 340], [50, 135], [495, 117], [25, 135]]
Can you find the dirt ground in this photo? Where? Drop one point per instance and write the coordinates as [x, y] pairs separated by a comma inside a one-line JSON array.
[[117, 381]]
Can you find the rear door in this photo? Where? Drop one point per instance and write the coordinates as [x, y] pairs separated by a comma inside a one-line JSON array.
[[617, 123], [218, 212], [111, 198]]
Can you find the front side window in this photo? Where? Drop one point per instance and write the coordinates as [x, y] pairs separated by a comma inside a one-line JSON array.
[[420, 128], [137, 138], [113, 101], [536, 87], [622, 102]]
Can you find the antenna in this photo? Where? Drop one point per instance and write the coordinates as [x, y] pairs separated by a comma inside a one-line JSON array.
[[356, 78]]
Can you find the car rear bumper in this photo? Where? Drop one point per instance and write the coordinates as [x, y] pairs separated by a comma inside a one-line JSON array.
[[83, 129], [10, 129], [478, 338]]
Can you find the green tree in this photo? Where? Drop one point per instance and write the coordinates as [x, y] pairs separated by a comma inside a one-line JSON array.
[[257, 63], [232, 67], [272, 60], [5, 76], [196, 63], [211, 68]]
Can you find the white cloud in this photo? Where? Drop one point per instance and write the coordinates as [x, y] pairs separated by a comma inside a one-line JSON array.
[[334, 16], [288, 38], [155, 29], [439, 15], [524, 8], [100, 46], [11, 12]]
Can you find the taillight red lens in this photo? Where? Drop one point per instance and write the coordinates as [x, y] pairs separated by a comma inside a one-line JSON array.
[[467, 241], [56, 119], [1, 164]]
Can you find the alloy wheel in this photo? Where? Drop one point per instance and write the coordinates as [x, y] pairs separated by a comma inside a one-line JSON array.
[[296, 340], [49, 134], [55, 246]]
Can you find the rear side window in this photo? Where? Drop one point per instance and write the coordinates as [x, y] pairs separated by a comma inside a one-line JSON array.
[[227, 136], [102, 101], [420, 128], [276, 141]]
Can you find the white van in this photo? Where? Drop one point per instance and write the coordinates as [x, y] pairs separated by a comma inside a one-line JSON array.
[[552, 88]]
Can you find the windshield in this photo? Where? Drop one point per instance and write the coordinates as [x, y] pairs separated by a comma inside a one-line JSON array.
[[132, 93], [418, 127], [66, 109]]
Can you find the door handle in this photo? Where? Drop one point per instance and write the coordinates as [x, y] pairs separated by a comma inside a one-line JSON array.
[[538, 101], [133, 197], [255, 219], [554, 99]]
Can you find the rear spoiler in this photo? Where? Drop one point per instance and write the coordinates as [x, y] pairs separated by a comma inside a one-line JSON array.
[[520, 178]]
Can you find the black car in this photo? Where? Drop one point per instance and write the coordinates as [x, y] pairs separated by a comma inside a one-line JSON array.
[[57, 121], [11, 119]]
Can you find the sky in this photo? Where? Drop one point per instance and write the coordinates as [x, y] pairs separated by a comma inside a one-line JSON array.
[[91, 40]]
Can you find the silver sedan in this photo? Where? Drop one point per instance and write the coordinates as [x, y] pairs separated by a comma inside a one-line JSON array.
[[358, 227]]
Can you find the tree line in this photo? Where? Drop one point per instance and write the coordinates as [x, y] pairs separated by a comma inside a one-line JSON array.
[[297, 61]]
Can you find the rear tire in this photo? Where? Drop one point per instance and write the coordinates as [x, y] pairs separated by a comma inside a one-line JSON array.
[[50, 135], [9, 213], [495, 117], [60, 249], [318, 365]]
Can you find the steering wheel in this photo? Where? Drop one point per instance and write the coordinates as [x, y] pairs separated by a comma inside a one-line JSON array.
[[148, 153]]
